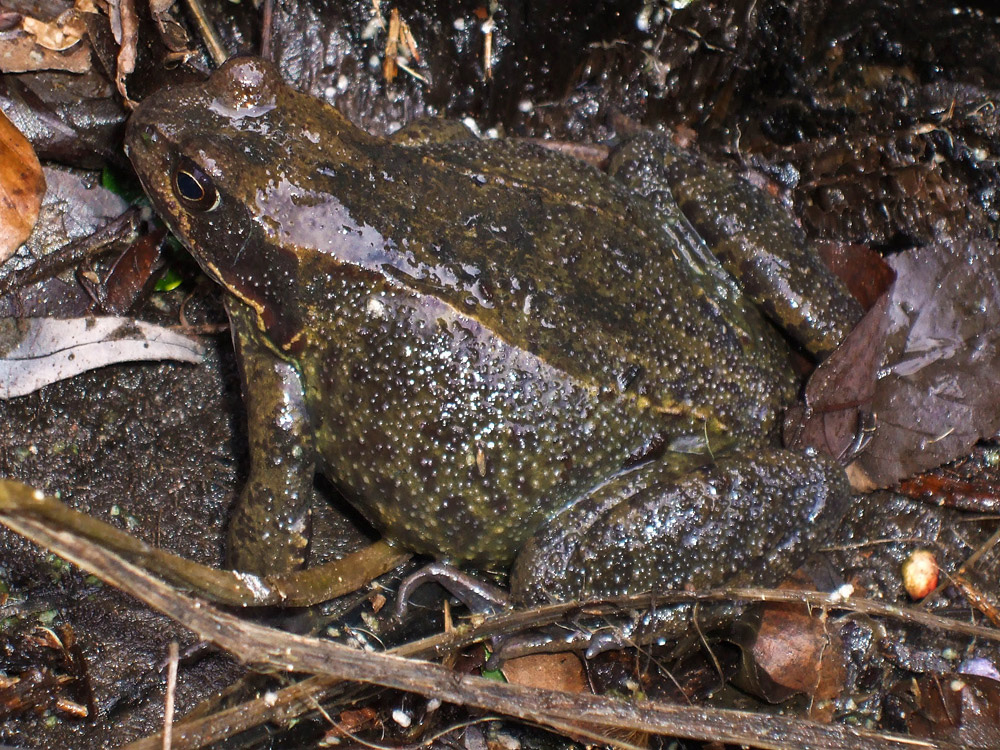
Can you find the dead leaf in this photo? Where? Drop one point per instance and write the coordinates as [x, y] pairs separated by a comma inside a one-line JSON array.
[[74, 207], [22, 187], [64, 32], [391, 47], [550, 671], [22, 53], [864, 271], [131, 278], [938, 394], [794, 652], [960, 708], [125, 27], [37, 351], [350, 723]]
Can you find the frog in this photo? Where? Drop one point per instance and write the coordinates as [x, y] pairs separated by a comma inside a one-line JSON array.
[[500, 355]]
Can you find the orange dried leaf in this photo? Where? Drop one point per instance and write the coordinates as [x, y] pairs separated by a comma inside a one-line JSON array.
[[409, 41], [351, 722], [22, 186]]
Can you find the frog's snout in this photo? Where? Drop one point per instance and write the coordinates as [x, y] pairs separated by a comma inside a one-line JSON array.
[[138, 131]]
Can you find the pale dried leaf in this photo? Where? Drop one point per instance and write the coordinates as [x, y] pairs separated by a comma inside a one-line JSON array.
[[37, 351], [58, 35], [129, 23]]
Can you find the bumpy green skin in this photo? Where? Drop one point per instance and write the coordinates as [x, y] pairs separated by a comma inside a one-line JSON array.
[[471, 339]]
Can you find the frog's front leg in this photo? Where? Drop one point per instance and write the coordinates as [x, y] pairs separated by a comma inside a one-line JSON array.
[[751, 518], [269, 529]]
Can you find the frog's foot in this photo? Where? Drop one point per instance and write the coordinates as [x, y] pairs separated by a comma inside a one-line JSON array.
[[477, 595], [483, 598], [553, 639], [619, 631]]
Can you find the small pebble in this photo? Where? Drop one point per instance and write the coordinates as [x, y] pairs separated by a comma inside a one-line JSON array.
[[920, 573]]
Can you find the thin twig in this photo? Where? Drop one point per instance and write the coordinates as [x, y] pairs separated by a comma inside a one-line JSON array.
[[173, 656], [211, 38], [257, 644]]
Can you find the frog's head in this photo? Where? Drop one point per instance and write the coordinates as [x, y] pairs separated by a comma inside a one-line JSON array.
[[219, 160]]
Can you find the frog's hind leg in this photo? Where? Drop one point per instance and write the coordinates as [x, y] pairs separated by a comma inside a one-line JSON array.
[[755, 239], [751, 518]]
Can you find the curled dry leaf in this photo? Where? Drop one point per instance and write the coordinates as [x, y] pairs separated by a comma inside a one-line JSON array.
[[37, 351], [58, 35], [22, 187], [125, 27]]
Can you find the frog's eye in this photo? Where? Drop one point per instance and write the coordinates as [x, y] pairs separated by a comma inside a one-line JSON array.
[[193, 187]]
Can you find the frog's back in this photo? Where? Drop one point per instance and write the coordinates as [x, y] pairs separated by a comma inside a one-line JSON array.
[[561, 261]]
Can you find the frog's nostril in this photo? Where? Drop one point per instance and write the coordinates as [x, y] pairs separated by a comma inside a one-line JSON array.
[[145, 133]]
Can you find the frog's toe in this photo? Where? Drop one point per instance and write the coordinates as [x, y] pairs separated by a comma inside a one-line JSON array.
[[477, 595], [867, 425]]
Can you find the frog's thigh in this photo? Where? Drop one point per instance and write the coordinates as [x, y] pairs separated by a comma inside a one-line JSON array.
[[749, 517], [269, 529]]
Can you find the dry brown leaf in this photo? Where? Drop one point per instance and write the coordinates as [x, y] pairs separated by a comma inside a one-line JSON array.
[[391, 47], [21, 54], [22, 187], [125, 26], [793, 651], [798, 653], [550, 671]]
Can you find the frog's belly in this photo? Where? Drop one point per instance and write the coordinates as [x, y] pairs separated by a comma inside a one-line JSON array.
[[455, 443]]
